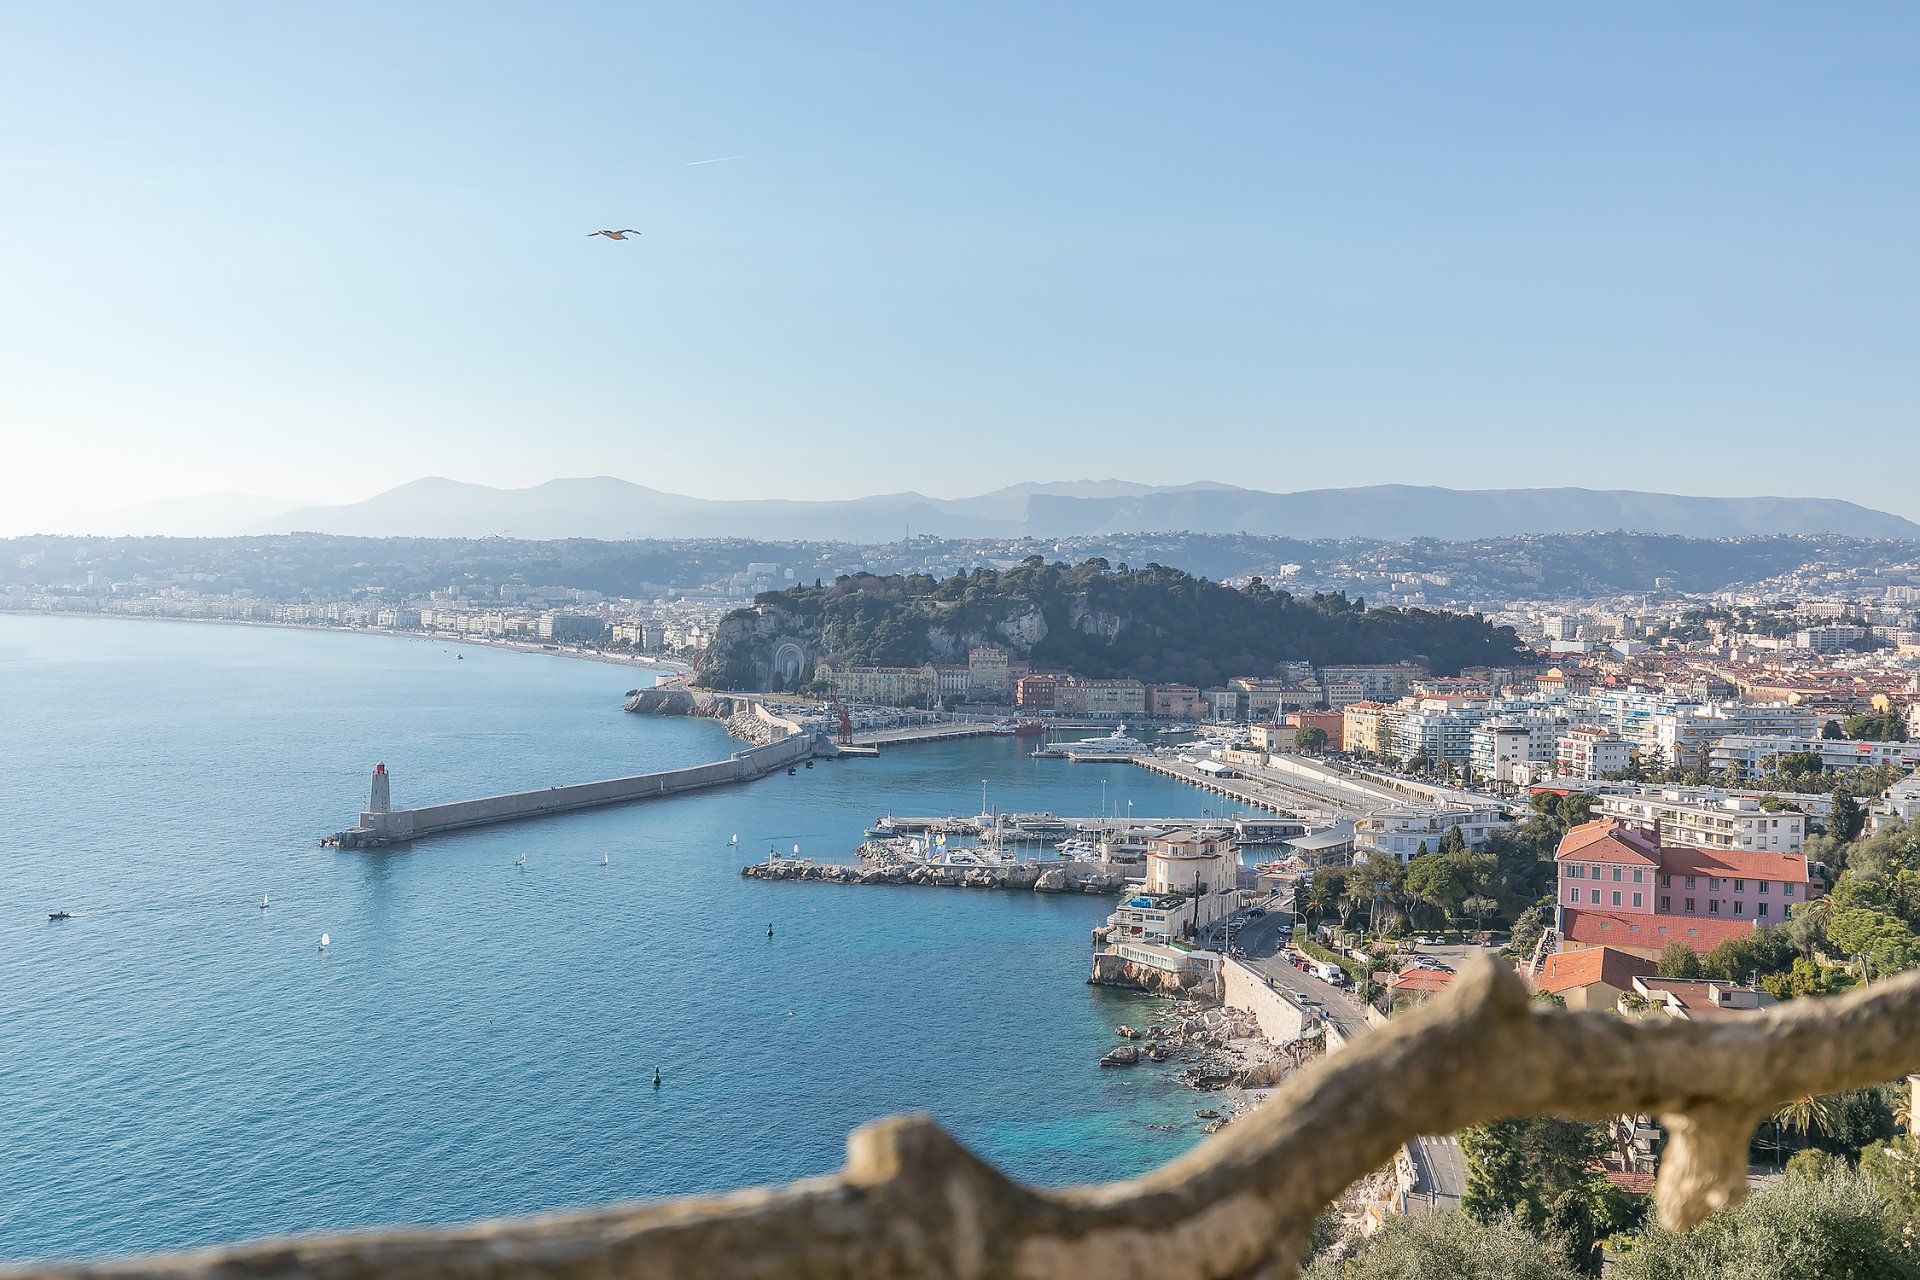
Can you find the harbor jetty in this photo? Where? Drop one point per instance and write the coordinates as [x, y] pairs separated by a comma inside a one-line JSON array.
[[1033, 877], [382, 824]]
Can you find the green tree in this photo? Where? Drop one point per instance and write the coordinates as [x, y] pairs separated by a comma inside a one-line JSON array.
[[1832, 731], [1311, 740], [1446, 1246], [1678, 961], [1893, 1169], [1847, 819], [1543, 1170], [1836, 1223]]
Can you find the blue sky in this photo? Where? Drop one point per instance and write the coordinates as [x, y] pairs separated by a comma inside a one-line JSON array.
[[317, 250]]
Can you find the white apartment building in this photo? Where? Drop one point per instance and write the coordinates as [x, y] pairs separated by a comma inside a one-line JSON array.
[[1752, 753], [1502, 748], [1706, 818], [1589, 751], [1399, 832], [1829, 639]]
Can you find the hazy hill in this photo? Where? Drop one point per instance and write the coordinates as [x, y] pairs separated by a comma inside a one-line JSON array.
[[610, 508]]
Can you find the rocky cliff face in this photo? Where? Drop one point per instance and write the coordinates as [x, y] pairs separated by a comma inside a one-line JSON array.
[[752, 649], [1110, 970]]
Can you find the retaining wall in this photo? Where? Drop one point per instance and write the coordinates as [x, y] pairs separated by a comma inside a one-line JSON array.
[[1278, 1017]]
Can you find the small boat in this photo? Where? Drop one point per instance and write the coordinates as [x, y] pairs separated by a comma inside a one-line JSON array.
[[264, 904], [326, 940], [59, 915]]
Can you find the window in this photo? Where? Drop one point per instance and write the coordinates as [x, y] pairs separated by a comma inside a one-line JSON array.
[[1616, 873], [1666, 903], [1738, 906], [1637, 900], [1576, 872], [1690, 880], [1713, 906], [1764, 886], [1763, 911], [1616, 897], [1595, 894], [1689, 906], [1639, 876], [1713, 884], [1786, 890], [1666, 882], [1573, 896]]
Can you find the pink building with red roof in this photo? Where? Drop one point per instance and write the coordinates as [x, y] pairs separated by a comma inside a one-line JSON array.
[[1620, 886]]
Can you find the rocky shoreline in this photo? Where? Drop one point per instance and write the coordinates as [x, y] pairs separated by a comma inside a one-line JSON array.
[[1031, 877], [1218, 1050]]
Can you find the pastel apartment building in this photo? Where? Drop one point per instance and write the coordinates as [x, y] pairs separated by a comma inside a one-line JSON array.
[[1622, 886]]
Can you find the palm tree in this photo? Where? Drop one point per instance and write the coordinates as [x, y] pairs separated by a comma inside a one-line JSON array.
[[1806, 1116]]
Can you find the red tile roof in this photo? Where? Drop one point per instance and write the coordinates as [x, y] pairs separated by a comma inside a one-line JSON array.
[[1609, 840], [1649, 932], [1422, 980], [1566, 970], [1681, 861]]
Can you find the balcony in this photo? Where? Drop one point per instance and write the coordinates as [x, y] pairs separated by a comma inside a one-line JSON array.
[[912, 1202]]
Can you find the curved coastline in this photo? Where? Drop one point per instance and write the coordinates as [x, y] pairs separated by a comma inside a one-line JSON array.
[[663, 667]]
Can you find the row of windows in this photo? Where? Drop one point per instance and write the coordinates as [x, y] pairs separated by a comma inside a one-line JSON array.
[[1573, 898], [1739, 886], [1580, 871], [1713, 907]]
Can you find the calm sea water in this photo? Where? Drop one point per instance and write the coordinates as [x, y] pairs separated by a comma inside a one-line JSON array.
[[178, 1066]]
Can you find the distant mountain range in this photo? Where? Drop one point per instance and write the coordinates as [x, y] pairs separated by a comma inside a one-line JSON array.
[[606, 507]]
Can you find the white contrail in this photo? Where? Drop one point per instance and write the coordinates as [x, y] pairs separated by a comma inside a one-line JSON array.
[[720, 159]]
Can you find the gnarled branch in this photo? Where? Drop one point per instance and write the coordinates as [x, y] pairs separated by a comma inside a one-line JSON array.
[[912, 1202]]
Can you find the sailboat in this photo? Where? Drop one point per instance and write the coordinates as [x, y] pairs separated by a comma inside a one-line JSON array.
[[735, 840], [263, 902], [603, 858], [522, 862], [326, 940]]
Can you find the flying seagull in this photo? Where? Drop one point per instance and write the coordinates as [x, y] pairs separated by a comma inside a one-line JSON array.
[[622, 234]]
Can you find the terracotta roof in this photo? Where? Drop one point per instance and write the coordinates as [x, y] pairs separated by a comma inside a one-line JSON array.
[[1649, 932], [1566, 970], [1428, 980], [1633, 1184], [1609, 840], [1683, 861]]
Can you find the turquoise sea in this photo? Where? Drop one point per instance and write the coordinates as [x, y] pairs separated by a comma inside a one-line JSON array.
[[178, 1066]]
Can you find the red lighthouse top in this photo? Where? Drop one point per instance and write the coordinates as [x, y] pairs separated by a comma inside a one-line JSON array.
[[379, 768]]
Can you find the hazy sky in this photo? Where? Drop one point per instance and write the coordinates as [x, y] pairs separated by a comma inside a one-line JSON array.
[[315, 250]]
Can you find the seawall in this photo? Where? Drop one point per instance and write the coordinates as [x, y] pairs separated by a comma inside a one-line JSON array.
[[1034, 877], [412, 824]]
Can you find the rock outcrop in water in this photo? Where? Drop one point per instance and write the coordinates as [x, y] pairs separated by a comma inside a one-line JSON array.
[[1066, 877]]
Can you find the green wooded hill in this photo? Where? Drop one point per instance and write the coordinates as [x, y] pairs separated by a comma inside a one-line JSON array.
[[1156, 624]]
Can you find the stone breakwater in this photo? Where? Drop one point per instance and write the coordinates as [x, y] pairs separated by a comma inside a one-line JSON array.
[[745, 718], [1034, 877]]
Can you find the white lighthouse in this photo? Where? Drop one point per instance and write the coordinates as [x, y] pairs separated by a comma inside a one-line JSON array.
[[379, 799]]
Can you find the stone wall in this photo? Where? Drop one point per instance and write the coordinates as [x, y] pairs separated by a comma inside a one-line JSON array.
[[1278, 1017]]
